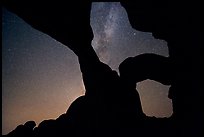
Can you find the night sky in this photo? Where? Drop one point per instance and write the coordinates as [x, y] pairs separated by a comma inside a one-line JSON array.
[[41, 77]]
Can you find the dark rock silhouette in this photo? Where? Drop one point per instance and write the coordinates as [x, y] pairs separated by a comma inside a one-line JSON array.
[[24, 130], [111, 105], [147, 66], [172, 21]]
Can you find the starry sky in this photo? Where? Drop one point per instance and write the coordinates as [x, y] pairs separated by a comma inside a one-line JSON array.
[[41, 76]]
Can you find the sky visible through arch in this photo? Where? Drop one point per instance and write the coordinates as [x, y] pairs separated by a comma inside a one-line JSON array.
[[41, 77]]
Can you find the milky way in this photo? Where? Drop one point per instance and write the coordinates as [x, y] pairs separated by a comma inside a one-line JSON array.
[[41, 77], [115, 39]]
